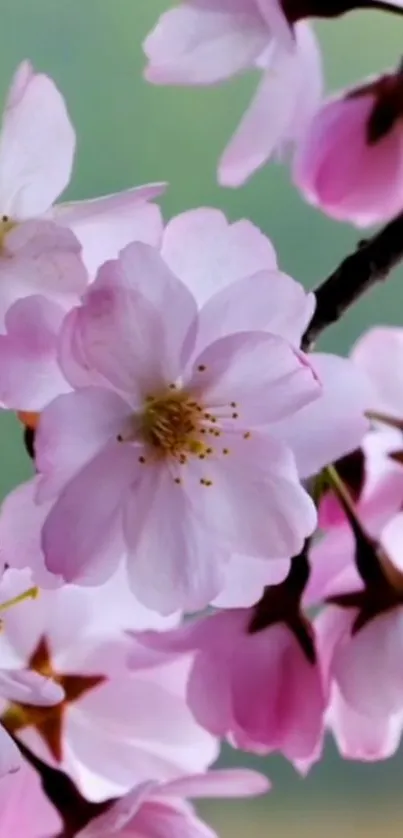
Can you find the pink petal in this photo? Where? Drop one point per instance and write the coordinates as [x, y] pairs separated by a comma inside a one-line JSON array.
[[30, 376], [10, 758], [278, 696], [209, 693], [22, 78], [246, 578], [120, 814], [209, 254], [361, 737], [361, 190], [267, 301], [71, 431], [25, 810], [41, 258], [172, 561], [104, 226], [143, 270], [353, 666], [29, 688], [81, 538], [379, 353], [332, 425], [20, 546], [261, 373], [160, 819], [36, 148], [285, 100], [218, 783], [330, 558], [255, 504], [204, 43], [134, 321], [113, 748]]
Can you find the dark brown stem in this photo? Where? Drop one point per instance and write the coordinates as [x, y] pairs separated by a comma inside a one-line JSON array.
[[74, 810], [372, 262]]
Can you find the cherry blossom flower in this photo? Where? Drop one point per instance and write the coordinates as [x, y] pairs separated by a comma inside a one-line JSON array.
[[359, 646], [182, 435], [210, 256], [350, 161], [41, 259], [206, 43], [161, 809], [365, 712], [115, 727], [37, 143], [42, 277], [257, 687], [24, 808]]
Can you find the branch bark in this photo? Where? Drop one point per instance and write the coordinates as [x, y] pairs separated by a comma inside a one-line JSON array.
[[371, 263], [74, 810]]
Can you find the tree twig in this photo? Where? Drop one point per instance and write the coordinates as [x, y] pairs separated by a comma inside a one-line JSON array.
[[75, 811], [371, 263]]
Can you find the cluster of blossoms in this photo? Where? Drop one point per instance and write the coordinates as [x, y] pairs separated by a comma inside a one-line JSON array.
[[210, 548]]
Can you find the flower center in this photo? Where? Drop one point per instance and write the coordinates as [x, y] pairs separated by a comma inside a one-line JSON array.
[[171, 424], [6, 224], [49, 721]]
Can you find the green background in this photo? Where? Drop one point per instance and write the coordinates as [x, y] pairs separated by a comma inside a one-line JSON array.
[[130, 133]]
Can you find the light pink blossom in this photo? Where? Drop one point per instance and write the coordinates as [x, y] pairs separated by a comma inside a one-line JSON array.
[[359, 638], [206, 43], [210, 256], [116, 727], [350, 160], [170, 456], [257, 688], [43, 259], [161, 810], [37, 144]]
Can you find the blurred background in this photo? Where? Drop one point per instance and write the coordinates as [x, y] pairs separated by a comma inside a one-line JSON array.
[[130, 133]]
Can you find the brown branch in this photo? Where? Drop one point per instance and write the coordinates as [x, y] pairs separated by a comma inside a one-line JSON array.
[[371, 263], [74, 810]]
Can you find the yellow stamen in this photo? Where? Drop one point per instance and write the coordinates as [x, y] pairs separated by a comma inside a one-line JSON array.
[[31, 593], [6, 224]]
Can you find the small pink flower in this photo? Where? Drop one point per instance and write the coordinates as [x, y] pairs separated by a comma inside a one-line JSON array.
[[210, 256], [360, 638], [42, 276], [257, 688], [115, 726], [350, 161], [366, 709], [160, 810], [43, 259], [169, 458], [205, 43], [37, 144]]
